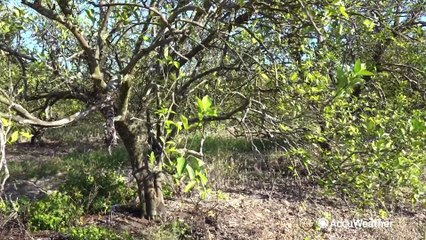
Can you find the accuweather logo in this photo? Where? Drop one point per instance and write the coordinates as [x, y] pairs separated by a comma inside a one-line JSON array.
[[324, 223]]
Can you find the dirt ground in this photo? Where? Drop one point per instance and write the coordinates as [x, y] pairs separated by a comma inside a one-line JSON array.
[[254, 209]]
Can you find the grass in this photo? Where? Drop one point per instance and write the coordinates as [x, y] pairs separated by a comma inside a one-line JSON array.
[[174, 230], [29, 170], [233, 160], [117, 160], [55, 165], [217, 144], [89, 129]]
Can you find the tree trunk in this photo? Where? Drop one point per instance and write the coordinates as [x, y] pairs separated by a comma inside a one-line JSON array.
[[147, 178]]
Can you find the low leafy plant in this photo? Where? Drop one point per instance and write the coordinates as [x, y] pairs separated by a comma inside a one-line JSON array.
[[55, 212], [93, 233], [13, 206], [95, 181], [177, 229], [180, 229]]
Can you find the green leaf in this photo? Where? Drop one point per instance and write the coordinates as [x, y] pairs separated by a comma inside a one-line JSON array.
[[184, 122], [342, 80], [204, 104], [341, 29], [357, 66], [190, 186], [342, 10], [264, 76], [190, 171], [152, 158], [176, 64], [364, 72], [193, 162], [417, 125], [6, 122], [14, 137], [17, 13], [200, 162], [26, 134], [203, 178], [207, 103], [369, 24], [294, 76], [371, 125], [166, 52], [203, 194], [180, 165], [355, 80], [90, 15]]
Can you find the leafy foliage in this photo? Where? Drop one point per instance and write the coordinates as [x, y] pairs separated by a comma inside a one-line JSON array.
[[56, 212], [15, 132], [93, 232], [381, 159], [188, 169], [96, 182]]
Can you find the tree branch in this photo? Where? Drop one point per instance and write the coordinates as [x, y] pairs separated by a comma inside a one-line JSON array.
[[93, 63], [34, 121], [222, 117], [143, 53], [188, 83], [16, 53], [23, 116]]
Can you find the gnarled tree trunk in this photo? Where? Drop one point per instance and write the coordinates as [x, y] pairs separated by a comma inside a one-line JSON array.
[[148, 179]]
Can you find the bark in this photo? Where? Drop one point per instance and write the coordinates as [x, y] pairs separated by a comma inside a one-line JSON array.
[[3, 164], [149, 180]]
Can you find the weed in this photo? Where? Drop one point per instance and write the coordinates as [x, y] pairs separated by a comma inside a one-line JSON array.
[[174, 230], [214, 145], [222, 195], [95, 181], [94, 233], [55, 212], [13, 206]]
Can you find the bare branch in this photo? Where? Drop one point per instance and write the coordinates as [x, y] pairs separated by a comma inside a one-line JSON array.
[[143, 53], [103, 23], [34, 121], [16, 53], [320, 35], [188, 83], [26, 118]]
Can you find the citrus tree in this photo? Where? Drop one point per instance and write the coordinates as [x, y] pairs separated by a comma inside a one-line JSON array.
[[312, 76], [142, 64]]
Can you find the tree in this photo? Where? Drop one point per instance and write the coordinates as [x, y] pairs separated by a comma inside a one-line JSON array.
[[274, 68], [141, 63]]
